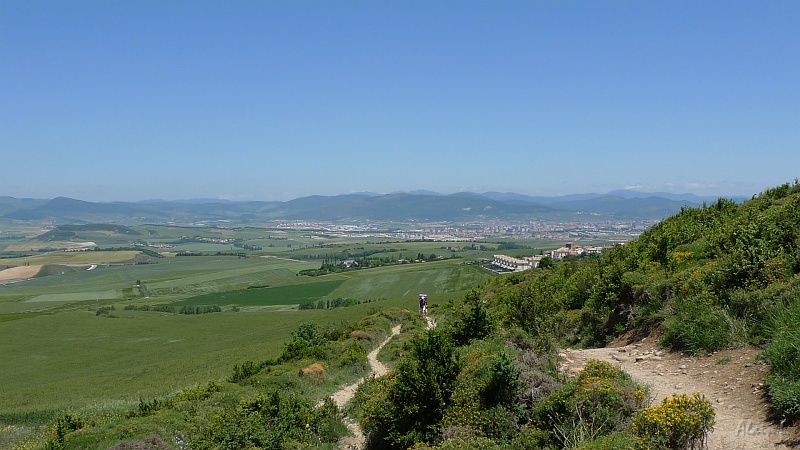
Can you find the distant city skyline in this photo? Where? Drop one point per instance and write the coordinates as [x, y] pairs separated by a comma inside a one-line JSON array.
[[247, 100]]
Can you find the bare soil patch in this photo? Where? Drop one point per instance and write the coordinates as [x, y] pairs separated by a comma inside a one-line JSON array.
[[732, 380], [19, 273], [33, 245]]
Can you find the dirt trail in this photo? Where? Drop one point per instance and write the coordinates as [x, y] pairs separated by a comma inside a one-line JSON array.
[[732, 380], [342, 396]]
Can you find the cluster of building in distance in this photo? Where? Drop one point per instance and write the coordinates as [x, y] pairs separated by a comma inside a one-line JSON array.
[[529, 262]]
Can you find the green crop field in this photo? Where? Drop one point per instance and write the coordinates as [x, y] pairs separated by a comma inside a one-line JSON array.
[[77, 360], [168, 279], [282, 295], [59, 355], [70, 345], [86, 258], [408, 280]]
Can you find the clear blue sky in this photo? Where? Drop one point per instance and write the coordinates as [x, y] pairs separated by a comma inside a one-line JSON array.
[[273, 100]]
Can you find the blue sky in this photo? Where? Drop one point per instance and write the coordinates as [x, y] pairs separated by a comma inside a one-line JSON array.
[[273, 100]]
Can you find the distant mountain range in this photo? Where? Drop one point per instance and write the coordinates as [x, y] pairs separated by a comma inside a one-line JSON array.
[[366, 206]]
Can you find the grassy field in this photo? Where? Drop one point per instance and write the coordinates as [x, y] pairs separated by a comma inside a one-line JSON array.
[[60, 356], [84, 258], [408, 280], [77, 360], [267, 296], [169, 279], [68, 358]]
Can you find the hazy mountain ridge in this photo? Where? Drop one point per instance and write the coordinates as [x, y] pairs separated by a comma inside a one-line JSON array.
[[400, 206]]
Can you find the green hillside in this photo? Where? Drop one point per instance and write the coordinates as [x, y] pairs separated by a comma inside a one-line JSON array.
[[720, 276], [723, 275]]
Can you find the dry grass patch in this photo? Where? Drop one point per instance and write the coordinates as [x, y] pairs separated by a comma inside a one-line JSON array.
[[19, 273], [360, 335], [315, 372]]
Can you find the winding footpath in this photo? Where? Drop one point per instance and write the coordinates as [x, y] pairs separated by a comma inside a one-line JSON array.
[[731, 380], [344, 395]]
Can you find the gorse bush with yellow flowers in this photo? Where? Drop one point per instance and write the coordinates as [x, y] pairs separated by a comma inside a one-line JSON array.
[[680, 422], [599, 401]]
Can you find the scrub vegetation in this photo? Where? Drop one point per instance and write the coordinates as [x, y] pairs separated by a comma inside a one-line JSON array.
[[486, 376]]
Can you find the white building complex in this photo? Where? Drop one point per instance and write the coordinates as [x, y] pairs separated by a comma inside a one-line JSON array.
[[570, 249], [531, 262], [516, 264]]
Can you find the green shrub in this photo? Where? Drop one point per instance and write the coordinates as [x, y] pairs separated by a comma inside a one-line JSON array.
[[783, 355], [680, 422], [484, 395], [598, 402], [409, 403], [503, 380], [63, 425], [696, 325], [270, 420], [355, 356], [785, 396], [529, 438], [148, 408], [761, 308], [244, 371], [198, 393], [463, 444], [614, 441], [472, 321], [307, 342]]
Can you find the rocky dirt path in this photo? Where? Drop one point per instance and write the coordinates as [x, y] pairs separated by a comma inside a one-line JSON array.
[[344, 395], [731, 380]]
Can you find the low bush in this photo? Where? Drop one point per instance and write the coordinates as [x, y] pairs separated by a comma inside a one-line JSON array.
[[62, 426], [270, 420], [680, 422], [613, 441], [307, 342], [472, 321], [785, 396], [148, 408], [355, 356], [696, 325], [783, 355], [600, 401], [244, 371], [484, 395], [408, 404]]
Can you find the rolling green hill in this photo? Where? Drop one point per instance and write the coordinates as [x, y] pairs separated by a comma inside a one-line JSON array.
[[719, 276]]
